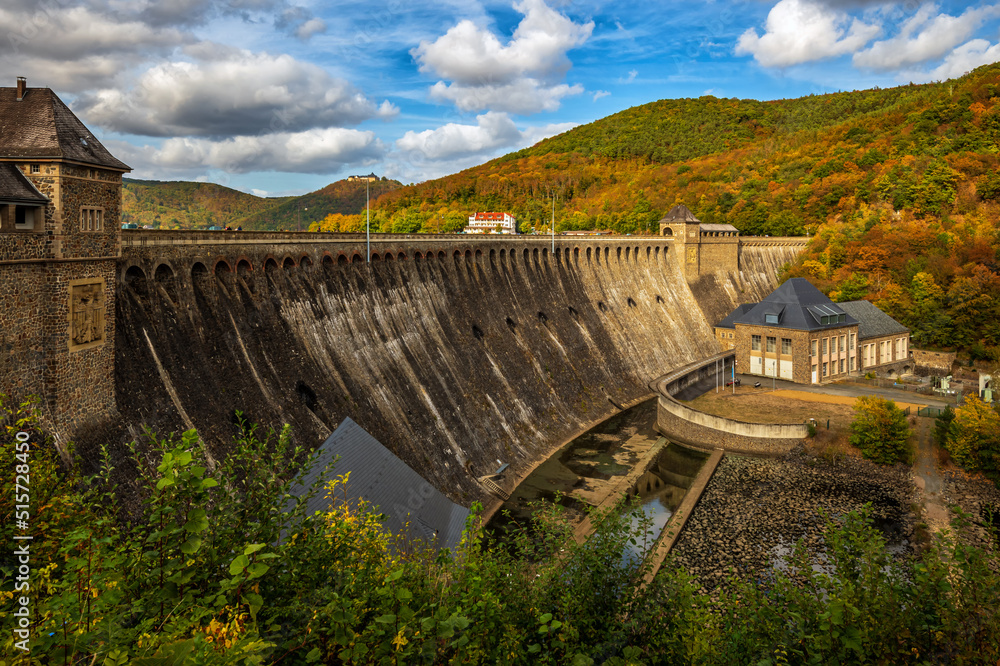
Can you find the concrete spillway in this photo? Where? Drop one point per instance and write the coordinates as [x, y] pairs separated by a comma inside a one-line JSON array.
[[454, 363]]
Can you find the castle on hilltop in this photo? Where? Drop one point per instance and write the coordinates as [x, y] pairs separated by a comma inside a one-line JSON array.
[[60, 239]]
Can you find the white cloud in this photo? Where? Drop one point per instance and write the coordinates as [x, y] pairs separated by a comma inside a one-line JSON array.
[[798, 31], [632, 73], [210, 97], [600, 93], [492, 130], [318, 151], [963, 59], [486, 74], [523, 96], [924, 37]]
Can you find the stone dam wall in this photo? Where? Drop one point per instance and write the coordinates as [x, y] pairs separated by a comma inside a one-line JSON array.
[[458, 359]]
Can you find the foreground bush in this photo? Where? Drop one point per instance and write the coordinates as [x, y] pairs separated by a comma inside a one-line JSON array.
[[195, 572]]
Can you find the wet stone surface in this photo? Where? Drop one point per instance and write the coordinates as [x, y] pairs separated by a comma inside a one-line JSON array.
[[754, 509]]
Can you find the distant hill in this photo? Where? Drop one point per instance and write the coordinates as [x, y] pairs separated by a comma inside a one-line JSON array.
[[342, 197], [189, 205]]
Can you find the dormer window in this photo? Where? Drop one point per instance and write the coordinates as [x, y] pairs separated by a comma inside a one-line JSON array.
[[770, 319]]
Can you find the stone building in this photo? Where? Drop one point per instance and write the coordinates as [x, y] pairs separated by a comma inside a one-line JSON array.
[[60, 238], [703, 248], [798, 334]]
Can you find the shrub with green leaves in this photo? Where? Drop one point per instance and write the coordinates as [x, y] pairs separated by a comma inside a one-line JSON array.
[[880, 430]]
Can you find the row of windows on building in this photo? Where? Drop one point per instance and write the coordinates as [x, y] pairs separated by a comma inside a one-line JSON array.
[[771, 344], [830, 345], [830, 367]]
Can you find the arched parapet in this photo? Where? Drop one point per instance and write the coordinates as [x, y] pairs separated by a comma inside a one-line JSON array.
[[221, 265]]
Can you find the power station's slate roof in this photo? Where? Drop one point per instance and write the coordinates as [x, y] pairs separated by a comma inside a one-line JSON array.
[[387, 483], [717, 227], [15, 188], [798, 306], [41, 126], [729, 321], [872, 322]]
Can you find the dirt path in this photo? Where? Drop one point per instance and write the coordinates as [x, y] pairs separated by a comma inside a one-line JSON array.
[[927, 477]]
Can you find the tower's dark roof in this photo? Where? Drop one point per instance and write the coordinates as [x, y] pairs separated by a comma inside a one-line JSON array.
[[15, 188], [872, 322], [798, 305], [387, 483], [680, 213], [41, 126]]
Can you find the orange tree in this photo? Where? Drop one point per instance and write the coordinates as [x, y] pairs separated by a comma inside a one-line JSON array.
[[880, 430], [974, 437]]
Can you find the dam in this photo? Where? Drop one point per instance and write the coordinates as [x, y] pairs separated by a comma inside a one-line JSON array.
[[459, 354]]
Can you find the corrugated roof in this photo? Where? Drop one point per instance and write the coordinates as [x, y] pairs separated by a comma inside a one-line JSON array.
[[872, 322], [41, 126], [16, 188], [799, 305], [387, 484]]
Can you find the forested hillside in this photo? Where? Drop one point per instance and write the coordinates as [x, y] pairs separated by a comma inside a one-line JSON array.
[[187, 205], [899, 187]]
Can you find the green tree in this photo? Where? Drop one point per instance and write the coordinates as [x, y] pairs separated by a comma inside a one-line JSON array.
[[974, 441], [880, 430]]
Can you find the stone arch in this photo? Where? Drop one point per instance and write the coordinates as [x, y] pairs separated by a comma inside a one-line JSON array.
[[288, 263], [503, 254], [135, 278], [376, 257], [342, 259], [418, 255], [441, 255], [389, 257], [400, 256], [649, 252], [222, 266], [305, 260], [576, 254], [607, 254], [627, 250], [356, 258], [270, 265], [456, 254], [558, 255], [589, 251], [243, 268], [468, 253], [327, 261], [198, 270], [493, 256], [667, 231], [163, 273], [545, 254], [527, 256], [535, 255], [635, 254]]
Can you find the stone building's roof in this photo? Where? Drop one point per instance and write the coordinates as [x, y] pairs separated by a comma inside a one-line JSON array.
[[40, 126], [15, 188], [387, 483], [679, 213], [718, 227], [797, 305], [730, 320], [872, 322]]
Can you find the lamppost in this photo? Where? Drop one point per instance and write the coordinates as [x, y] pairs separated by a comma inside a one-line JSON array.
[[368, 223]]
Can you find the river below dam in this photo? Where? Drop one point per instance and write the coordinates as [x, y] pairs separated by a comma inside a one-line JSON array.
[[622, 454]]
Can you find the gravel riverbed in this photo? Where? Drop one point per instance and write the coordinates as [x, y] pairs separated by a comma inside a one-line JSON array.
[[753, 508]]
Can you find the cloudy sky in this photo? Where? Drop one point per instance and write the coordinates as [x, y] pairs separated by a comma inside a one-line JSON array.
[[285, 96]]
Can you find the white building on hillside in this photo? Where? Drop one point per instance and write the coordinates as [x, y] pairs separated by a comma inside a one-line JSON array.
[[491, 223]]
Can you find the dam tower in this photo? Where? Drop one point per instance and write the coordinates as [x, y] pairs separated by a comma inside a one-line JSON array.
[[60, 241]]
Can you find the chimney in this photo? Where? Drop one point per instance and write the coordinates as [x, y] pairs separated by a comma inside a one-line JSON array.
[[22, 83]]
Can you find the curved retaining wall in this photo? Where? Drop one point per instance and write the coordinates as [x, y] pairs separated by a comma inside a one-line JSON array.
[[689, 426]]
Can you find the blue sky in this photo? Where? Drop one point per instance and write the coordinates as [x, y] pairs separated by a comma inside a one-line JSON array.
[[285, 96]]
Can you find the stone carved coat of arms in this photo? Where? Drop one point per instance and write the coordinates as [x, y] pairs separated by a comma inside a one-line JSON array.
[[87, 302]]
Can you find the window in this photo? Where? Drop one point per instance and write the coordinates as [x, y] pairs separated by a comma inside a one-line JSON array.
[[824, 369], [35, 168], [770, 319], [786, 346], [814, 349], [771, 343], [91, 219], [852, 341], [755, 342], [843, 343], [851, 364], [841, 366], [824, 349], [814, 371]]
